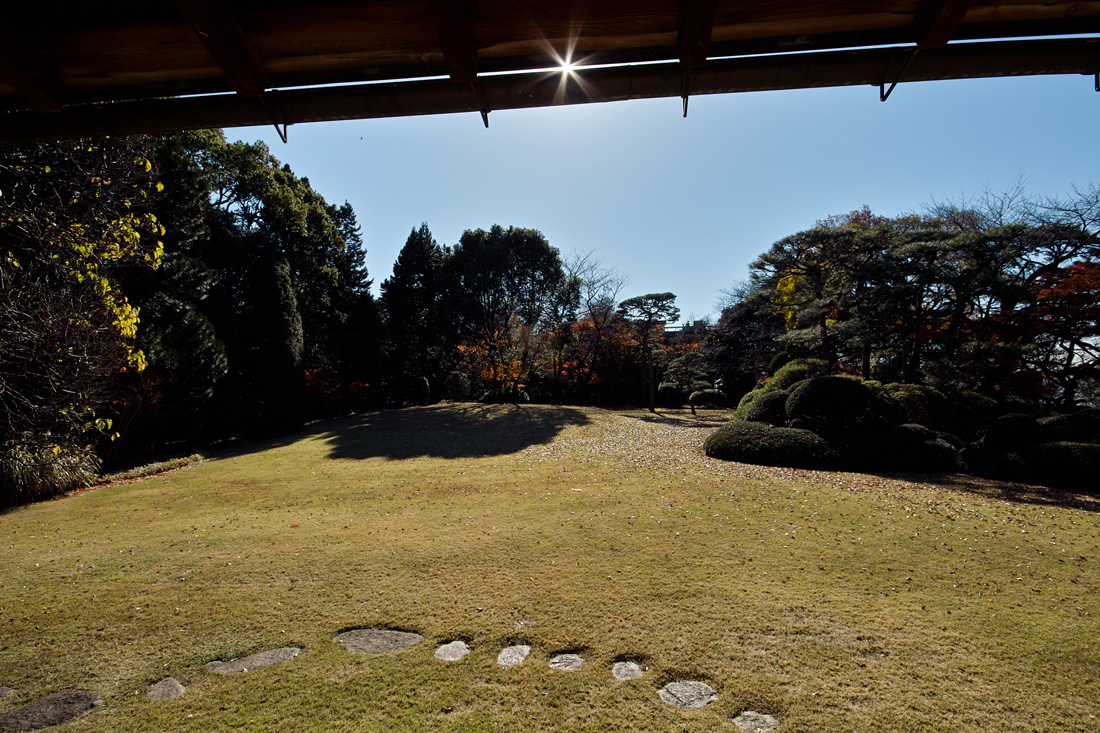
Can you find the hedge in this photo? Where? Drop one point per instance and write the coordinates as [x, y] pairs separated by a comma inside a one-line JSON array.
[[766, 445]]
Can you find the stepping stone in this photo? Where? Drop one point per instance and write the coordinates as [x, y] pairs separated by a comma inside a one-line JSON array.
[[452, 652], [510, 656], [566, 662], [6, 692], [254, 661], [55, 709], [168, 688], [688, 695], [751, 721], [377, 641], [626, 671]]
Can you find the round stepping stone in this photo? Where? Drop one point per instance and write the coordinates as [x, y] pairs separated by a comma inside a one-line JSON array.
[[55, 709], [452, 652], [377, 641], [6, 692], [688, 695], [751, 721], [510, 656], [168, 688], [566, 662], [626, 671], [258, 660]]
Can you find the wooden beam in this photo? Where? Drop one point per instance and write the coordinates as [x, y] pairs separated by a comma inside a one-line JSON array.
[[693, 40], [538, 89], [28, 73], [455, 23], [221, 33], [937, 20]]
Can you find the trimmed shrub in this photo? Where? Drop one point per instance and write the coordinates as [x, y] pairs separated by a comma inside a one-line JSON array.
[[778, 362], [707, 398], [1077, 427], [1012, 431], [419, 391], [919, 404], [886, 448], [766, 445], [32, 470], [1064, 465], [512, 395], [832, 399], [456, 387], [746, 400], [670, 395], [795, 371], [770, 408]]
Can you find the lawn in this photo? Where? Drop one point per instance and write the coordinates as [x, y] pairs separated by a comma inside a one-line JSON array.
[[832, 601]]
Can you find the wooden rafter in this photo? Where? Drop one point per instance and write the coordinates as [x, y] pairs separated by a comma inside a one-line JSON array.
[[455, 22], [29, 75], [693, 40], [221, 33], [937, 21]]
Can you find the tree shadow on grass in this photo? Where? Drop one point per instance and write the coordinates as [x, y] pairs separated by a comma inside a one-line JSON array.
[[684, 419], [450, 431], [1006, 491]]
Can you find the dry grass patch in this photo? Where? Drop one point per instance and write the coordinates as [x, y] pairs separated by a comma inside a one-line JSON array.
[[832, 601]]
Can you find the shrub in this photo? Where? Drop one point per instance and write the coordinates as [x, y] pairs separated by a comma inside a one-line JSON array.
[[770, 408], [832, 399], [419, 391], [670, 395], [766, 445], [886, 448], [512, 394], [1077, 427], [778, 362], [456, 387], [707, 398], [34, 469], [924, 405], [1011, 431], [1065, 465], [746, 401], [795, 371]]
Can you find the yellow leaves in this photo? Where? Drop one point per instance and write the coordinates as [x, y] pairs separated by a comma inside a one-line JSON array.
[[160, 186], [47, 169], [143, 162], [11, 260]]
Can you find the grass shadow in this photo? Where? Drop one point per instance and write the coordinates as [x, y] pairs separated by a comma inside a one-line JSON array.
[[684, 418], [1007, 491], [465, 430]]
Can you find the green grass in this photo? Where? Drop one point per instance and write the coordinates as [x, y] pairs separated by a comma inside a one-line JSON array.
[[833, 601]]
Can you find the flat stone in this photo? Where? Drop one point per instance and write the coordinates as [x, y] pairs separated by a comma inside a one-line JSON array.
[[626, 671], [6, 692], [751, 721], [452, 652], [688, 695], [55, 709], [168, 688], [510, 656], [566, 662], [377, 641], [258, 660]]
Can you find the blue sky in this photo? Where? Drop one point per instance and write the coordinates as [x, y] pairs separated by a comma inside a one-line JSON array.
[[684, 205]]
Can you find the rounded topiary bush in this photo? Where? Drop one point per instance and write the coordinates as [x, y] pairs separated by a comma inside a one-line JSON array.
[[832, 399], [746, 401], [670, 395], [770, 408], [457, 387], [766, 445], [1011, 431], [778, 362], [1076, 427], [795, 371], [885, 448], [918, 403], [1064, 465], [699, 385], [708, 398]]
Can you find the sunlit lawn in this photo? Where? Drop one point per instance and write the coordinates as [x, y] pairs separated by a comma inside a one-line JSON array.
[[831, 601]]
